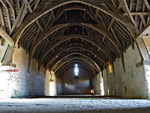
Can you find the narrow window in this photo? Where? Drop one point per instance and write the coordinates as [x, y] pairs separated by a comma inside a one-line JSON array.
[[76, 70]]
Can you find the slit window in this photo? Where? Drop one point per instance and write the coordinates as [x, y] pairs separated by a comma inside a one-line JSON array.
[[76, 70]]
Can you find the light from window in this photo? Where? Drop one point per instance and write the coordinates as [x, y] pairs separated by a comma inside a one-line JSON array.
[[110, 68], [76, 70]]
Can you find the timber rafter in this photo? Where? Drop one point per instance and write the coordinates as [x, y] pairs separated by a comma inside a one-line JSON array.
[[82, 37], [106, 28]]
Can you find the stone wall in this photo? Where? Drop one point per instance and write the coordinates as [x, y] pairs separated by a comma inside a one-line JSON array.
[[24, 83], [134, 82], [130, 83], [72, 85], [147, 74], [59, 86]]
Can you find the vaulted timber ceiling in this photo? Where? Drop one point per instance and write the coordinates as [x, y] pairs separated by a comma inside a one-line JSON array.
[[59, 33]]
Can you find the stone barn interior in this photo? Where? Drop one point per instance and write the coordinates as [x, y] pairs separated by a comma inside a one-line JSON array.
[[75, 56]]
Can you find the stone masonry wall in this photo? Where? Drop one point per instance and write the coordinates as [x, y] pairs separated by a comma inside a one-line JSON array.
[[147, 74], [130, 83], [59, 87], [23, 83], [76, 86]]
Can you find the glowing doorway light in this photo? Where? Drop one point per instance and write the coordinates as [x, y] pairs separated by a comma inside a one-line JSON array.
[[76, 70]]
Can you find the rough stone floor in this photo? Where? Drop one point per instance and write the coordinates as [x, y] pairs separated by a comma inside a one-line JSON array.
[[74, 105]]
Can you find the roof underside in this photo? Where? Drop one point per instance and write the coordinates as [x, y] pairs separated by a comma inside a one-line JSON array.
[[59, 33]]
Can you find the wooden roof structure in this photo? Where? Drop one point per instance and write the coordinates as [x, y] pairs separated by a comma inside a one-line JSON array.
[[59, 33]]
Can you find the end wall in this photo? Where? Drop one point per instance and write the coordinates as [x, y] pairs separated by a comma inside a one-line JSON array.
[[72, 85]]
